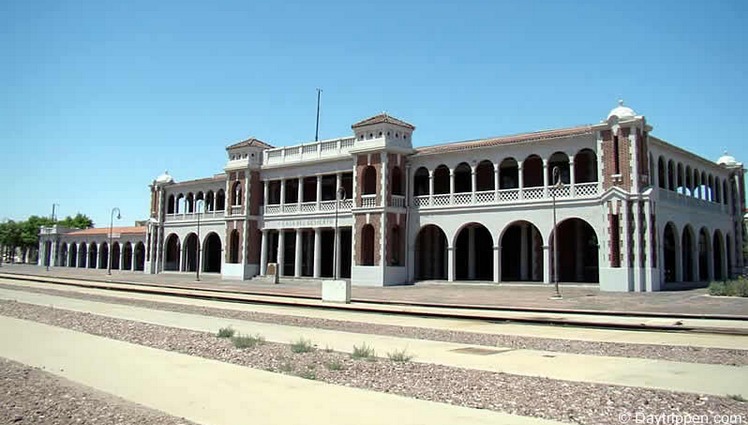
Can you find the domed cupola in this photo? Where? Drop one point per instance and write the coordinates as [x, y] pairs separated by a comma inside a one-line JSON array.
[[727, 160], [164, 179], [621, 112]]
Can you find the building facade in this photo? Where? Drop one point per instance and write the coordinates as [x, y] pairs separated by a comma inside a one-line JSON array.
[[605, 203]]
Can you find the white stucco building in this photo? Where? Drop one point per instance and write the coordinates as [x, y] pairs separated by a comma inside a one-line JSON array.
[[633, 212]]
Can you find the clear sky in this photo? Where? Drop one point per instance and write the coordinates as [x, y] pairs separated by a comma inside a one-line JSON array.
[[97, 98]]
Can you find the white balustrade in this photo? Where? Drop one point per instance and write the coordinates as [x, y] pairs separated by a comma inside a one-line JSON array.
[[533, 193], [485, 197], [463, 198], [273, 209], [307, 207], [585, 189], [560, 192], [309, 151], [441, 200], [508, 195], [290, 208], [421, 201], [368, 201], [398, 201], [327, 206]]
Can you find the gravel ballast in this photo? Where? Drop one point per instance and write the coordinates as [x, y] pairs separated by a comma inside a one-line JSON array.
[[597, 348], [31, 396], [573, 402]]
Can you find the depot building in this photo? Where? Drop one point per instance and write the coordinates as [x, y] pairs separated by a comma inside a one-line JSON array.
[[605, 203]]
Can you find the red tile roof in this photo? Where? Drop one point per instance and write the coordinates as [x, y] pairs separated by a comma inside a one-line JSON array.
[[132, 230], [383, 118], [250, 142], [505, 140]]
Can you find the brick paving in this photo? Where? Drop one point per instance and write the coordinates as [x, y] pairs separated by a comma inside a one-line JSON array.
[[527, 296]]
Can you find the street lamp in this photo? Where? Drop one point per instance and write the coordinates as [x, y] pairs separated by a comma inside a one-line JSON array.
[[47, 254], [339, 196], [557, 185], [109, 247], [199, 205]]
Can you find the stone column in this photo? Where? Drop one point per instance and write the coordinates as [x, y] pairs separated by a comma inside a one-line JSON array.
[[132, 258], [181, 256], [474, 183], [496, 263], [546, 264], [283, 193], [281, 249], [319, 191], [431, 187], [298, 250], [520, 180], [265, 195], [317, 251], [545, 178], [264, 252], [496, 181], [450, 264], [678, 256], [572, 178], [121, 257], [695, 259], [710, 260], [300, 192], [451, 187]]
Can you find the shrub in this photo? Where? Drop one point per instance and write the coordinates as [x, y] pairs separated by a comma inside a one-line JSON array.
[[730, 288], [363, 352], [400, 356], [226, 332], [737, 397], [247, 341], [308, 374], [302, 346]]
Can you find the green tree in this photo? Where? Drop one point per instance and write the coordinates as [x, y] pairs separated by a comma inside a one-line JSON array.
[[80, 221], [10, 239], [30, 234]]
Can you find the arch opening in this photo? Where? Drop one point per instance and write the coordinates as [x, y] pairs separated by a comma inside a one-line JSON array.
[[431, 254], [577, 251], [171, 253], [212, 253], [474, 253], [670, 246], [521, 253]]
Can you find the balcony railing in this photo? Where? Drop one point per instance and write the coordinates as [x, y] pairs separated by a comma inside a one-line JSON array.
[[193, 216], [501, 196], [690, 201], [308, 152], [368, 201], [397, 201], [307, 207]]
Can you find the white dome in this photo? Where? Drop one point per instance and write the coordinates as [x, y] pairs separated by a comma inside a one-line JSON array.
[[164, 178], [621, 112], [727, 160]]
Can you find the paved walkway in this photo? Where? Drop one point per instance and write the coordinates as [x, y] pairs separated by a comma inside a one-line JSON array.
[[213, 392], [463, 325], [659, 374], [532, 296]]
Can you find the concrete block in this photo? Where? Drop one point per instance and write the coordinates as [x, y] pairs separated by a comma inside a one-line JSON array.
[[336, 291]]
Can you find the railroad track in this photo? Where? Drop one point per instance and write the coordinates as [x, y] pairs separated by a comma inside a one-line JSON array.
[[649, 321]]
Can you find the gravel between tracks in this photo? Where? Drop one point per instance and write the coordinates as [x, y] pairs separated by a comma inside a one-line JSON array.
[[573, 402], [599, 348], [32, 396]]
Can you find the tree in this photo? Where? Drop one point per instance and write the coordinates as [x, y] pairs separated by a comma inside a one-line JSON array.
[[80, 221], [10, 238]]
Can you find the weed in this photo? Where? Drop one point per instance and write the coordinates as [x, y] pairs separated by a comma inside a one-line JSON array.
[[247, 341], [737, 397], [334, 365], [730, 288], [363, 351], [328, 349], [308, 374], [400, 356], [302, 346], [286, 367], [226, 332]]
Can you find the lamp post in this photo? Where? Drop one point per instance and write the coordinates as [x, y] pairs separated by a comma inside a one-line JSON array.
[[557, 185], [109, 247], [47, 254], [339, 196], [199, 205]]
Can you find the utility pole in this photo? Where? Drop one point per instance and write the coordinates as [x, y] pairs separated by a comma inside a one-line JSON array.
[[316, 132]]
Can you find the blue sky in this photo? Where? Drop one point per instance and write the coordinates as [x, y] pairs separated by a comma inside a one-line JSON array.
[[98, 97]]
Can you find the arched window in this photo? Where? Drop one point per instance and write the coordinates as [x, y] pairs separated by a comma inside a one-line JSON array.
[[179, 204], [421, 182], [560, 160], [671, 175], [441, 180], [463, 178], [509, 174], [220, 200], [190, 203], [661, 172], [532, 171], [585, 166], [369, 180], [484, 176], [209, 201], [170, 205], [396, 181], [236, 193], [234, 247], [367, 245]]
